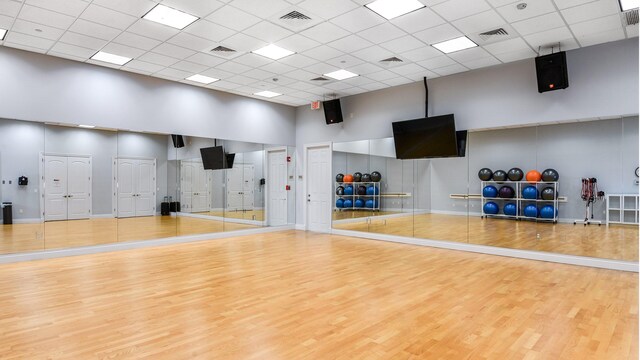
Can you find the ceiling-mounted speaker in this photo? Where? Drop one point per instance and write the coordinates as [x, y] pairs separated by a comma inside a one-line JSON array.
[[332, 111], [178, 141], [551, 71]]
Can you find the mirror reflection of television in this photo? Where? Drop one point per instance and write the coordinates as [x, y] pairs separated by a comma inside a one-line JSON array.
[[214, 158], [432, 137]]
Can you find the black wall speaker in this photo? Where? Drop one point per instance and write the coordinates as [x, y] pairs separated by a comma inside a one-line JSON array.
[[552, 72], [461, 137], [178, 141], [332, 111]]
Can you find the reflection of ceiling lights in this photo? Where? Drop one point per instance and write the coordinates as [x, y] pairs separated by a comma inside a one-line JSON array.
[[86, 126], [170, 17], [273, 52], [110, 58], [202, 79], [454, 45], [267, 94], [3, 33], [341, 74], [628, 4], [390, 9]]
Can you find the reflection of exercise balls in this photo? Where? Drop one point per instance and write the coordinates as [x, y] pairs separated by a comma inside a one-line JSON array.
[[491, 208], [339, 203], [376, 203], [359, 203], [340, 190], [339, 178], [499, 175], [357, 177], [548, 193], [510, 209], [515, 174], [550, 175], [485, 174], [348, 190], [348, 178], [372, 190], [366, 177], [547, 212], [534, 176], [362, 190], [376, 176], [531, 211], [530, 192], [490, 191], [506, 192], [348, 203], [369, 204]]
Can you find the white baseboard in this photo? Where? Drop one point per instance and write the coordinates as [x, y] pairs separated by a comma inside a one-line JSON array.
[[27, 221], [102, 216], [301, 227]]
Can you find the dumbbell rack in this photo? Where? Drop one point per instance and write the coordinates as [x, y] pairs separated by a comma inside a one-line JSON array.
[[519, 200], [375, 198]]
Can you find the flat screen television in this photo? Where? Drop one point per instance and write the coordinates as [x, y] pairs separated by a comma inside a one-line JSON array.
[[432, 137], [214, 158]]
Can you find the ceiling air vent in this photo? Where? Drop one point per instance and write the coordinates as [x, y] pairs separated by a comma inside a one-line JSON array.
[[294, 15], [320, 79], [392, 60], [487, 35], [631, 17], [222, 49]]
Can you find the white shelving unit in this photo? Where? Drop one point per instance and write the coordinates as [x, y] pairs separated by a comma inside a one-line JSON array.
[[519, 200], [623, 209], [355, 196]]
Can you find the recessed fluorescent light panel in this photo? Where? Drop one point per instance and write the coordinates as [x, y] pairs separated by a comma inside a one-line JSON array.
[[170, 17], [341, 75], [454, 45], [629, 4], [110, 58], [273, 52], [86, 126], [390, 9], [3, 33], [202, 79], [267, 94]]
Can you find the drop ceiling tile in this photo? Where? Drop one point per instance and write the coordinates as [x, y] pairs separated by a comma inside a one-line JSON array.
[[325, 32], [108, 17], [66, 56], [382, 33], [358, 80], [338, 85], [397, 81], [47, 17], [469, 54], [72, 50], [15, 38], [418, 20], [278, 68], [374, 86], [259, 74], [173, 51], [298, 60], [437, 34], [350, 44], [365, 68], [407, 69], [242, 80], [197, 8], [223, 84], [301, 75], [260, 8], [244, 43], [322, 53], [29, 28], [563, 4], [136, 71], [89, 28], [632, 31], [230, 17], [192, 42], [82, 40], [297, 43], [158, 59], [173, 74], [10, 8], [189, 66], [208, 30], [344, 62], [358, 20], [477, 23], [320, 68], [548, 37], [373, 54], [498, 3], [423, 53], [436, 62], [328, 9], [233, 67], [480, 63], [252, 60], [534, 8], [403, 44], [136, 41], [267, 32], [419, 76], [601, 25], [516, 44], [153, 30], [68, 7], [123, 50], [6, 21], [539, 23], [449, 70], [217, 73], [601, 37], [382, 75], [143, 66], [302, 85], [24, 47], [590, 11], [516, 55], [457, 9], [136, 8]]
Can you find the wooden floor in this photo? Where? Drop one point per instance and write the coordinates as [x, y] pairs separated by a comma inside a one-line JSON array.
[[296, 295], [609, 242]]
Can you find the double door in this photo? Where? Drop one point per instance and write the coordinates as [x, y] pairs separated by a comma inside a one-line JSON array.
[[240, 188], [67, 187], [195, 187], [277, 187], [136, 195]]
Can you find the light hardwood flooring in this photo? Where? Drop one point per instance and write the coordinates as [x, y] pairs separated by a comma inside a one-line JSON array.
[[297, 295], [609, 242], [257, 215]]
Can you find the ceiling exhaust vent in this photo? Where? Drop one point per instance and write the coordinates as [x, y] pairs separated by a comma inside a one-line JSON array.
[[295, 19], [487, 35], [320, 79], [295, 15], [631, 17], [224, 52], [222, 49], [392, 60]]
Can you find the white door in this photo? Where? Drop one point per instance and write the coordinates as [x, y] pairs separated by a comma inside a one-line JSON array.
[[235, 185], [201, 189], [78, 188], [276, 185], [55, 188], [186, 185], [146, 187], [67, 188], [126, 188], [318, 189], [249, 182]]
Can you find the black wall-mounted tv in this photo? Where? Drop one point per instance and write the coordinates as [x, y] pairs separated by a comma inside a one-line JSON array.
[[432, 137], [214, 158]]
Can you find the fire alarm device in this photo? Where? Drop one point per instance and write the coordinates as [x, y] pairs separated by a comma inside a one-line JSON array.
[[288, 158], [288, 187], [315, 105]]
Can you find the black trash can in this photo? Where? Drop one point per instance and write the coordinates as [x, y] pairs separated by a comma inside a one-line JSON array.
[[164, 209], [7, 213]]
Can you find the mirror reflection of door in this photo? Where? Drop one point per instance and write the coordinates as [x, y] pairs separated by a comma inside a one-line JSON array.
[[195, 192], [67, 187], [136, 187], [240, 185], [276, 183]]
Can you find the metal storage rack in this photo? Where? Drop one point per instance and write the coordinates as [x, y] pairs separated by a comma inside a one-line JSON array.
[[519, 200], [354, 197], [623, 209]]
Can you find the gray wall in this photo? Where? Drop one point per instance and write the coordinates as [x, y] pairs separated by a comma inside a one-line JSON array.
[[70, 92]]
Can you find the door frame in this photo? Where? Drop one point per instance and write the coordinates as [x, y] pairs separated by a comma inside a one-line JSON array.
[[41, 182], [329, 145], [114, 180], [266, 176]]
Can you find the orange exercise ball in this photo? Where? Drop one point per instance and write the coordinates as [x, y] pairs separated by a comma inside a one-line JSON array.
[[348, 178], [534, 176]]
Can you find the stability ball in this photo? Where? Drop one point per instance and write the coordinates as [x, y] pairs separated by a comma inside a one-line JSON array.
[[530, 192], [499, 175], [491, 208], [340, 190], [534, 176], [485, 174], [372, 190], [359, 203], [510, 209], [531, 211], [348, 178], [506, 192], [515, 174], [548, 193], [348, 190], [547, 212], [357, 177], [348, 203], [339, 203], [490, 191], [550, 175], [366, 177], [369, 204], [376, 176], [362, 190], [340, 178]]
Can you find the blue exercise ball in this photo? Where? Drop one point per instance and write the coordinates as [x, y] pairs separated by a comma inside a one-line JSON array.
[[348, 190], [491, 208], [359, 203], [531, 211], [348, 203], [369, 204], [530, 192], [373, 190], [339, 203], [548, 212], [490, 191], [510, 209]]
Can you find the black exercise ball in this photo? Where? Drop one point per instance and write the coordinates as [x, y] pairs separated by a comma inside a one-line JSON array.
[[362, 190], [340, 190], [515, 174], [499, 175], [548, 193], [506, 192], [550, 175], [485, 174], [340, 178], [376, 176], [357, 176], [366, 178]]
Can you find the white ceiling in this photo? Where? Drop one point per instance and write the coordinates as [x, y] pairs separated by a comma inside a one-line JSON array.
[[342, 34]]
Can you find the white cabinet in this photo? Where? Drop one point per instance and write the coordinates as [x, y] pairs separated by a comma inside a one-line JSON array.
[[623, 209]]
